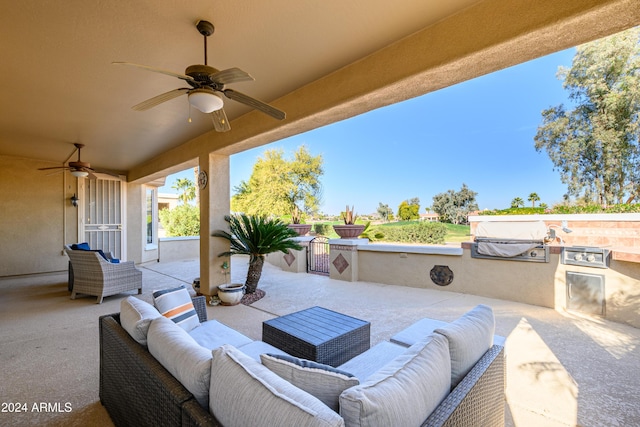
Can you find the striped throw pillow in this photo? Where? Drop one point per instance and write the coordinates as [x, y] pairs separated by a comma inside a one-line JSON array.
[[175, 304]]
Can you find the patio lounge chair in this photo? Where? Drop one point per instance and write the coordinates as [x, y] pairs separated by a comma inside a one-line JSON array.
[[94, 275]]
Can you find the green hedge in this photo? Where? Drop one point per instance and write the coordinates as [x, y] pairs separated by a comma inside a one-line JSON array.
[[421, 232], [322, 229], [562, 209]]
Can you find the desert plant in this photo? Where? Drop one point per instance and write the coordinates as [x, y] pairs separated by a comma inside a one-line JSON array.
[[295, 215], [349, 216], [256, 236], [371, 233]]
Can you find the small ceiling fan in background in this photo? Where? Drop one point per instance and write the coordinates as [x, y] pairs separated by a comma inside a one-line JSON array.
[[206, 83], [79, 168]]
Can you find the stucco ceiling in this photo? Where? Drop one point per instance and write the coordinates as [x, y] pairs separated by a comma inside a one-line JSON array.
[[59, 85]]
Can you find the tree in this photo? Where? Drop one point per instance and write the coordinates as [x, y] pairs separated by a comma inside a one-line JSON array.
[[385, 212], [183, 220], [186, 189], [278, 185], [256, 236], [595, 145], [409, 209], [533, 198], [517, 202], [454, 207]]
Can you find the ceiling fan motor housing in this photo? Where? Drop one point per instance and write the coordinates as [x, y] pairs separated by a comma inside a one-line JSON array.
[[200, 72]]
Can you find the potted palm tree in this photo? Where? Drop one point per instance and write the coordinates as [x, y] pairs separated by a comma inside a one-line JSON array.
[[350, 230], [256, 236]]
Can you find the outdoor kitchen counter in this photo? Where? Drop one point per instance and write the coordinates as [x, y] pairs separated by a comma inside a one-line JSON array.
[[628, 254]]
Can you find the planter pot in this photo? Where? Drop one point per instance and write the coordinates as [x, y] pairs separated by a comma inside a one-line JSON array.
[[351, 231], [230, 293], [301, 229], [196, 286]]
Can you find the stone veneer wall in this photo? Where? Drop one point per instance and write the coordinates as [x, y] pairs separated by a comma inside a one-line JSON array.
[[614, 231]]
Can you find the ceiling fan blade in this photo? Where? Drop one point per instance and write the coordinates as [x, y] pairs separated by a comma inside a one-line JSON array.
[[252, 102], [230, 75], [53, 167], [156, 100], [157, 70], [91, 175], [220, 121], [107, 172]]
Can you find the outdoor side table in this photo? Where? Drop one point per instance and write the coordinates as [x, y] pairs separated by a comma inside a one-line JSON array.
[[318, 334]]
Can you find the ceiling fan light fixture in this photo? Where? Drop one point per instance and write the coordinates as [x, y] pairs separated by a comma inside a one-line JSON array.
[[205, 100], [79, 174]]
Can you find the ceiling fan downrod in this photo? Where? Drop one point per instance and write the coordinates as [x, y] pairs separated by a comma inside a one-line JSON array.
[[205, 28]]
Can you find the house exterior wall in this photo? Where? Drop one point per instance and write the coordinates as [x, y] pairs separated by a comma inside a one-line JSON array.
[[36, 217]]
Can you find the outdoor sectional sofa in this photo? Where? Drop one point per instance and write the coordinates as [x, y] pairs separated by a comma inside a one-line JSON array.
[[137, 389]]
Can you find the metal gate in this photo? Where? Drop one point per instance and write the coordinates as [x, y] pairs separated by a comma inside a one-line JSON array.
[[318, 254]]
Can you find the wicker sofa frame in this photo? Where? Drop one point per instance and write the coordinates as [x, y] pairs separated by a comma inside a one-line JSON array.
[[93, 275], [137, 390]]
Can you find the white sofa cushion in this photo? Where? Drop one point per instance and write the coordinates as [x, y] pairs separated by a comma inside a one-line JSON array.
[[136, 316], [469, 336], [176, 304], [243, 392], [184, 358], [405, 391], [212, 334], [368, 363], [322, 381]]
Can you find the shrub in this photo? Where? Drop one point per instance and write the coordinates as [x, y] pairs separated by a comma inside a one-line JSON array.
[[322, 229], [183, 220], [564, 209], [420, 232]]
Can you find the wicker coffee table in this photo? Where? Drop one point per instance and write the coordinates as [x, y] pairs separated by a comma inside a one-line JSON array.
[[318, 334]]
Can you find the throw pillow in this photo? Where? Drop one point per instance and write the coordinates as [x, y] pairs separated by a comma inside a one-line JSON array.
[[405, 391], [469, 336], [243, 392], [136, 316], [322, 381], [176, 304], [189, 362]]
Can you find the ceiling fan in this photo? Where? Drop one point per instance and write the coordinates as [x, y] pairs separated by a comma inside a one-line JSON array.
[[206, 83], [79, 168]]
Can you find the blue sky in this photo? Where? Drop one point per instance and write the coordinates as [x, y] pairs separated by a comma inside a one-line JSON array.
[[478, 132]]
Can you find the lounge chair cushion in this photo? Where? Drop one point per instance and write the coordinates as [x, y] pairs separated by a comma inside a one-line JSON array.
[[469, 336], [393, 396], [243, 392], [322, 381], [176, 304], [188, 361], [136, 316]]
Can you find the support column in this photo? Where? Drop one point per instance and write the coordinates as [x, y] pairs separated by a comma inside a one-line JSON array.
[[343, 258], [214, 205], [296, 261]]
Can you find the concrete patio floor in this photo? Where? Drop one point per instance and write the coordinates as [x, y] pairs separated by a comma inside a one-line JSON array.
[[563, 369]]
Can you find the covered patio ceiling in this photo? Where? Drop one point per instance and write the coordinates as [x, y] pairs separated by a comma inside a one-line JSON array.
[[320, 62]]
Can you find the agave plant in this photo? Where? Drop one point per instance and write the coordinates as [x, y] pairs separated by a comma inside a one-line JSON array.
[[349, 216], [256, 236]]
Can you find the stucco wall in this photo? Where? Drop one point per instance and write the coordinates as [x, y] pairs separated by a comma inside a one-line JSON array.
[[177, 248], [37, 217], [542, 284]]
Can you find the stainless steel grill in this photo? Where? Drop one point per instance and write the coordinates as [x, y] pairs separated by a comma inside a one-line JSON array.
[[511, 241]]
